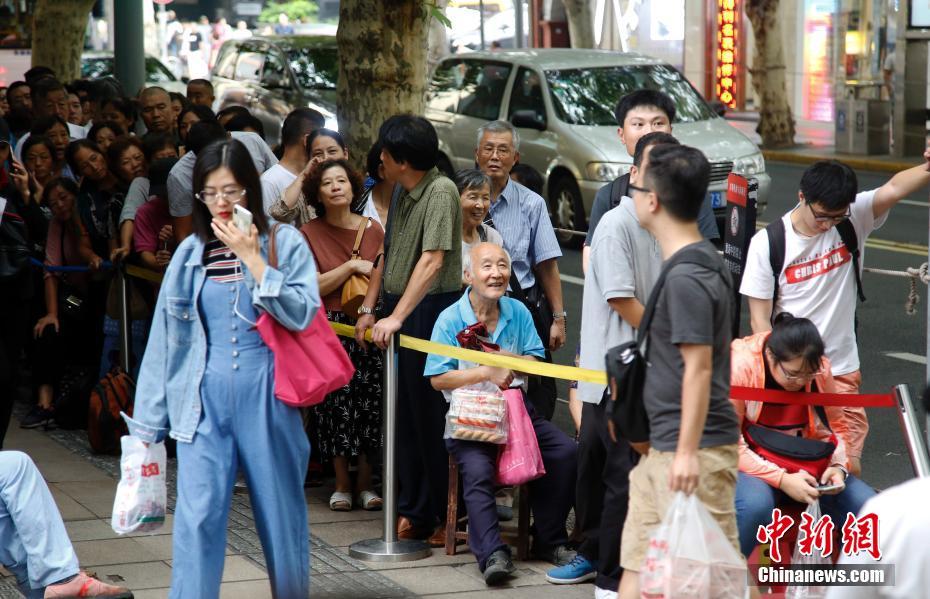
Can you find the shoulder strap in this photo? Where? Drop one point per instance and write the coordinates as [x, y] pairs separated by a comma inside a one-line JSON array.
[[482, 233], [619, 188], [851, 241], [776, 234], [693, 256], [361, 233], [272, 246]]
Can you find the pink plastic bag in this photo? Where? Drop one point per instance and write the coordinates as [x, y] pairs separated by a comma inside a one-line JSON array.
[[520, 460]]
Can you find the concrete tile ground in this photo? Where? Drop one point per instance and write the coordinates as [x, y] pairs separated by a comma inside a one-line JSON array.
[[83, 486]]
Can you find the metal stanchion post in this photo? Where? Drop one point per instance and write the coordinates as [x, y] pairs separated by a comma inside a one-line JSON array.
[[125, 330], [388, 548], [916, 444]]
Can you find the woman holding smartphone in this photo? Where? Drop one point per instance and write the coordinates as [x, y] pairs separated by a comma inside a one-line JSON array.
[[790, 358], [207, 379]]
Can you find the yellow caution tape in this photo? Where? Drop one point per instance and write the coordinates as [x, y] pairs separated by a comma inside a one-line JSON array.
[[556, 371]]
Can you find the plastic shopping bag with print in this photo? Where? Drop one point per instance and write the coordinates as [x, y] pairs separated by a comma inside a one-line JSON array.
[[141, 496], [689, 556], [816, 558]]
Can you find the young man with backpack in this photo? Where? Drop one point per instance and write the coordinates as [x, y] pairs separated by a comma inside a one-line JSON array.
[[692, 427], [808, 263]]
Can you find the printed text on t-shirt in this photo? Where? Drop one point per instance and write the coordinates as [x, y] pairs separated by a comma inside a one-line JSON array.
[[803, 271]]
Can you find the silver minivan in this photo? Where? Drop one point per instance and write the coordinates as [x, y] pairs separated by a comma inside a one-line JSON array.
[[562, 102]]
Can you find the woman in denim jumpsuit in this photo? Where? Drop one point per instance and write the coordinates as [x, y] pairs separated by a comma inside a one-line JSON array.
[[208, 377]]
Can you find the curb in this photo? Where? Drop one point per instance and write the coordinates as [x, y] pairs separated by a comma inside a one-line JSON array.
[[854, 162]]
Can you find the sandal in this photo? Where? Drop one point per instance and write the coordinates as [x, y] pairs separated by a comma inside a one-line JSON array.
[[340, 502], [369, 500]]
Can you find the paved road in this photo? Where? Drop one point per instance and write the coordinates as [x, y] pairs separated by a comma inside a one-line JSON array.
[[884, 328]]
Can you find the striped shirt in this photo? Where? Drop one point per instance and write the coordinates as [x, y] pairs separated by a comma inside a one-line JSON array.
[[522, 218], [222, 265]]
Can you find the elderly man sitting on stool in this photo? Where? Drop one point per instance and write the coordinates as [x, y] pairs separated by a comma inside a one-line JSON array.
[[510, 326]]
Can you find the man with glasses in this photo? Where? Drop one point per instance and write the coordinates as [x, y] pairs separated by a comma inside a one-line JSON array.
[[522, 218], [817, 278]]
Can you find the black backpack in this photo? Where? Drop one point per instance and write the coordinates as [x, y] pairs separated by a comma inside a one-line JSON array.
[[626, 363], [776, 235]]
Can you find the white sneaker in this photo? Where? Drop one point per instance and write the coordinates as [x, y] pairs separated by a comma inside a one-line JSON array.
[[600, 593]]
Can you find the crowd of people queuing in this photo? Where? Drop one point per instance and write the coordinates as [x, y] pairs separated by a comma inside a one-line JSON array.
[[97, 177]]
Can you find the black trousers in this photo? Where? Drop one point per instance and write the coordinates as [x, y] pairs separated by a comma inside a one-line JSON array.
[[422, 459], [602, 493]]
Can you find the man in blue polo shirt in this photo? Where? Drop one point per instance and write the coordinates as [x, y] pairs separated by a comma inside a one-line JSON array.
[[510, 326]]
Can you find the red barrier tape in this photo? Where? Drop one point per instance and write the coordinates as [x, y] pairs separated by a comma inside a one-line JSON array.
[[813, 399]]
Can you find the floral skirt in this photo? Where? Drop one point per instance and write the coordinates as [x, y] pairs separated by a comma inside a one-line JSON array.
[[348, 423]]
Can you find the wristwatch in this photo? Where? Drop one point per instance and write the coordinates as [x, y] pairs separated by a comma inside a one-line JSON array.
[[559, 315], [365, 310], [842, 469]]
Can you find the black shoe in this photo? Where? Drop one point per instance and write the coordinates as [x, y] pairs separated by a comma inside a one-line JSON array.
[[498, 568], [38, 417], [560, 555]]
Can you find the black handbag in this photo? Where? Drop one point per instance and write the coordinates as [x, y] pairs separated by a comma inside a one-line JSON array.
[[627, 362]]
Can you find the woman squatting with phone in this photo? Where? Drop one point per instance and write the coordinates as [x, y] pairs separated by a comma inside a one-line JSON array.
[[208, 377], [790, 358]]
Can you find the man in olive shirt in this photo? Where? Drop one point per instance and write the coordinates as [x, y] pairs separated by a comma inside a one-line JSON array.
[[422, 277]]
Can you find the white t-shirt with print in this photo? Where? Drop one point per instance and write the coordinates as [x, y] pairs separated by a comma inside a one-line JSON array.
[[817, 281]]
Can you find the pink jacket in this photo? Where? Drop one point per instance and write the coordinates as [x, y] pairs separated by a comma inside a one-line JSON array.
[[747, 369]]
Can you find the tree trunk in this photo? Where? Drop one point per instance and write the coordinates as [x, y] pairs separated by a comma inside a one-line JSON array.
[[580, 22], [382, 66], [776, 123], [58, 36]]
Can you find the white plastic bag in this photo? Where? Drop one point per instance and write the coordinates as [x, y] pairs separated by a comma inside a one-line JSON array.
[[141, 496], [477, 415], [814, 559], [690, 557]]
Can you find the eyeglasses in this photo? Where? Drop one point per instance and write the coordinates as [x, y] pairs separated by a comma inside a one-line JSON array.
[[212, 197], [829, 218], [797, 376], [637, 188]]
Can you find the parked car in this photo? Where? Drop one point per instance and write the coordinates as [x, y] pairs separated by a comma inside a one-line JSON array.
[[562, 103], [273, 75], [101, 64]]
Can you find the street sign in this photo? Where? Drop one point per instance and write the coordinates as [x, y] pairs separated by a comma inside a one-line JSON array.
[[740, 226]]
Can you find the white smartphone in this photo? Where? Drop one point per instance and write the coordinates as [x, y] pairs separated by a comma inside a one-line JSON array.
[[830, 487], [243, 219]]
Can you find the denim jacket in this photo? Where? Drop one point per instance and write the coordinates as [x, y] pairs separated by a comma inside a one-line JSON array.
[[168, 391]]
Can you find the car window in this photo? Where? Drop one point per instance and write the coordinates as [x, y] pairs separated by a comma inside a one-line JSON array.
[[249, 65], [155, 72], [315, 67], [95, 68], [588, 96], [482, 88], [527, 94], [275, 73], [444, 87], [226, 61]]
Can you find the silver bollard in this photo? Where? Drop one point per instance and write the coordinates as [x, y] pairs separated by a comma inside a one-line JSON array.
[[388, 548], [125, 325], [916, 444]]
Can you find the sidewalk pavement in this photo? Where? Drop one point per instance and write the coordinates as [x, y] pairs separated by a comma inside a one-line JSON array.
[[84, 486], [815, 142]]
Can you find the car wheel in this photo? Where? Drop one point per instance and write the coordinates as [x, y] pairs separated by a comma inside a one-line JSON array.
[[567, 211], [445, 167]]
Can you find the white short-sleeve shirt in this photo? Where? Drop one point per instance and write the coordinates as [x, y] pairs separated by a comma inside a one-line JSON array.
[[817, 281]]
